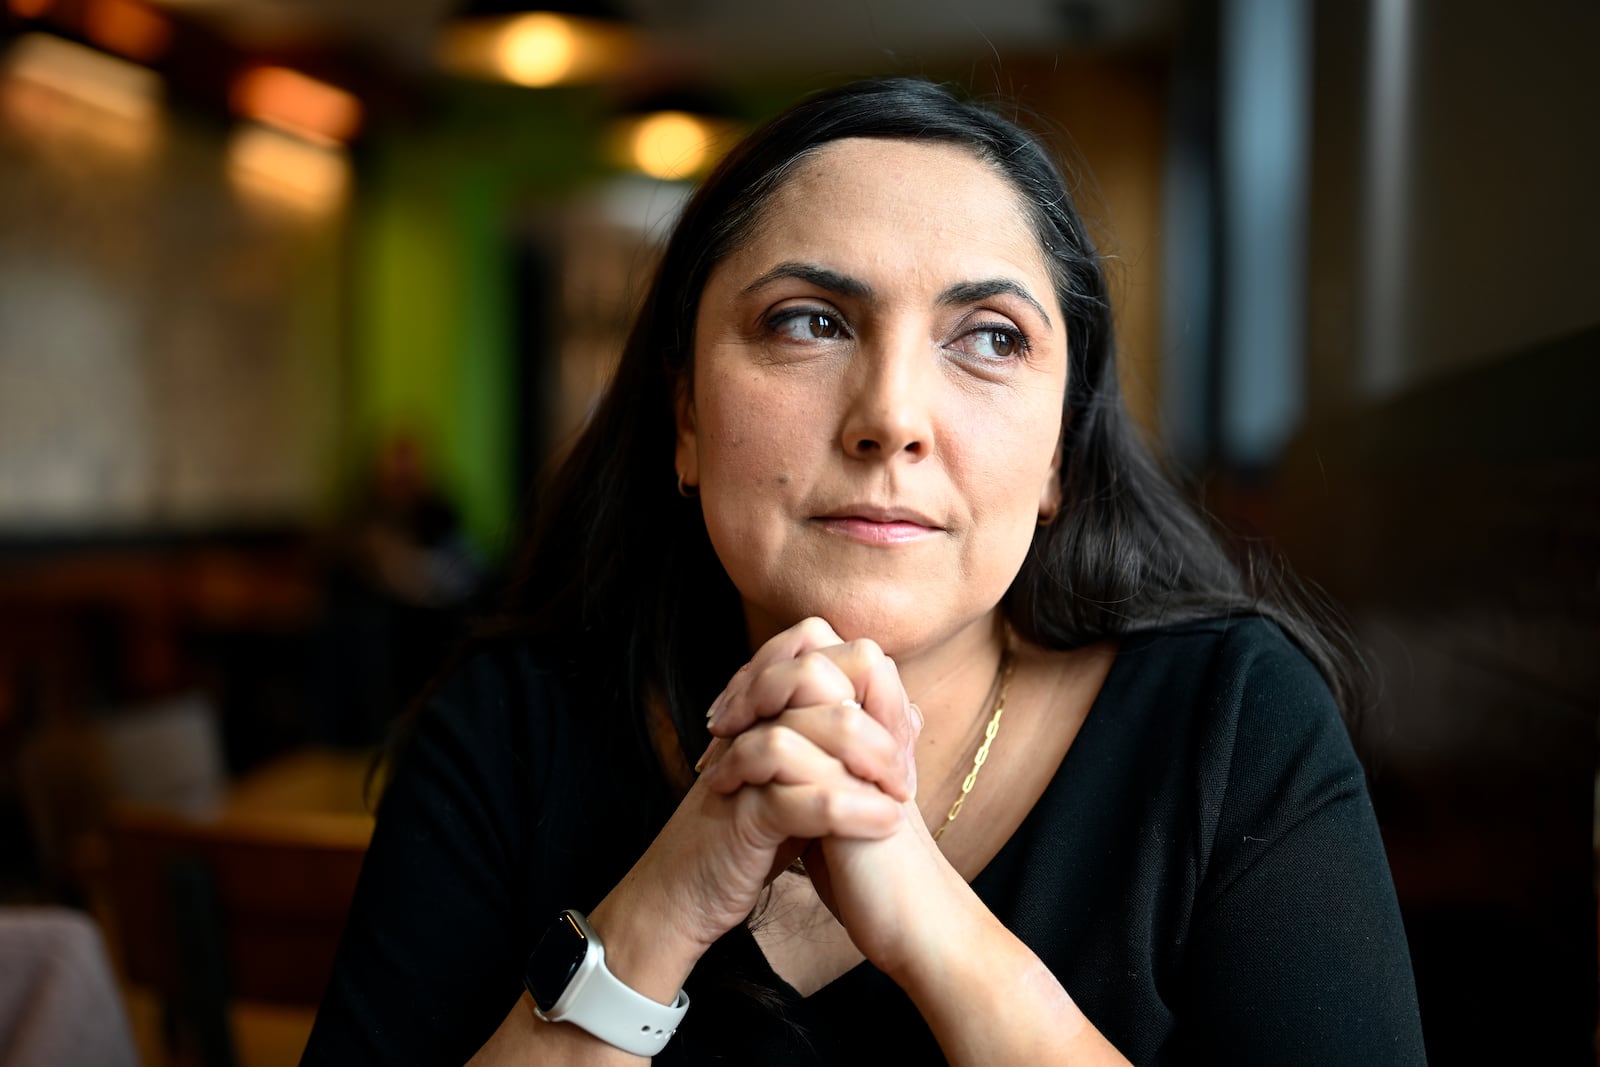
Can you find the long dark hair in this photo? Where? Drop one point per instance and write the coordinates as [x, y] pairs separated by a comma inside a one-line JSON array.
[[618, 569]]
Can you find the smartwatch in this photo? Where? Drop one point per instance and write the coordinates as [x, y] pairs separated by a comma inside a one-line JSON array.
[[567, 975]]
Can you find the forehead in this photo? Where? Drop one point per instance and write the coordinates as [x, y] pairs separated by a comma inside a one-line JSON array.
[[899, 203]]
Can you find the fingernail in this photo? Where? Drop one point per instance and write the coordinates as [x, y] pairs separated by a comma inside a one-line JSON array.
[[720, 704], [852, 704], [918, 713], [700, 764], [719, 707]]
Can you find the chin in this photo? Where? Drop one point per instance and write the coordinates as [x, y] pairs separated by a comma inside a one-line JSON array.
[[901, 625]]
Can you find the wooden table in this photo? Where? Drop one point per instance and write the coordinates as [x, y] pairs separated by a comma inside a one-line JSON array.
[[250, 897], [317, 791]]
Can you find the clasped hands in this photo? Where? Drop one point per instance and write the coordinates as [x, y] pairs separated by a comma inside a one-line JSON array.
[[814, 753]]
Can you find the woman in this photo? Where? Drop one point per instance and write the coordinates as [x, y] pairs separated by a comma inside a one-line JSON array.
[[1010, 765]]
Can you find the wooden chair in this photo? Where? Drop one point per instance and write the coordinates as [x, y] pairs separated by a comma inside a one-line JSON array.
[[237, 907]]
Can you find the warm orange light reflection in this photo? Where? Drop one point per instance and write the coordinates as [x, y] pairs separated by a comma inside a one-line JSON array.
[[30, 9], [267, 164], [670, 144], [127, 28], [299, 103], [537, 50], [113, 85], [61, 91]]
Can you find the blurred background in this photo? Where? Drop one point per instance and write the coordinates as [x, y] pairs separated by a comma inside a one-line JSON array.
[[297, 296]]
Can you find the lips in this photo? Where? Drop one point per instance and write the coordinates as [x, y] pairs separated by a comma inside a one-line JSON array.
[[873, 513], [871, 524]]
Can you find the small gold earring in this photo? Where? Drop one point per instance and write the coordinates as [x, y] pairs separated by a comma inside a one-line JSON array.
[[684, 490]]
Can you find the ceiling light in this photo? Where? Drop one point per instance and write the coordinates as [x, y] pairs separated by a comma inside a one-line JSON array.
[[670, 145], [536, 49], [297, 103], [672, 133]]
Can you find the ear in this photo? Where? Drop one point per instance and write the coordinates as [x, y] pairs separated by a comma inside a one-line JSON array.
[[1050, 492], [686, 457]]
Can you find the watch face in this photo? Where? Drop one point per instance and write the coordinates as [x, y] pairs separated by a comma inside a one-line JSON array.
[[554, 960]]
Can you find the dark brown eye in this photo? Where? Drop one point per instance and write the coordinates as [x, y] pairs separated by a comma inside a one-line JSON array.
[[823, 326], [1002, 344], [803, 324], [992, 343]]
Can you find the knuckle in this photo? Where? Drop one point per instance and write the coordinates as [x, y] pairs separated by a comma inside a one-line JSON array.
[[813, 629], [749, 747], [779, 743], [867, 651], [847, 722], [812, 661], [815, 672]]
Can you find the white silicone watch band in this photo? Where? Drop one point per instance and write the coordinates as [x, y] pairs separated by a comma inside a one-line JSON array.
[[597, 1001]]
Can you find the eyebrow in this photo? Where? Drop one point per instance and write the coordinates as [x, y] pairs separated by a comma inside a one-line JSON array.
[[821, 277], [971, 292], [844, 285]]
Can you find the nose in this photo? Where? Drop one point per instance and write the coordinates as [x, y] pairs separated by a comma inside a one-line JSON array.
[[891, 388]]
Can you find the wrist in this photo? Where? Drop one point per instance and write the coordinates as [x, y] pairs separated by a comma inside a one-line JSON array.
[[983, 976], [939, 947], [569, 981], [644, 948]]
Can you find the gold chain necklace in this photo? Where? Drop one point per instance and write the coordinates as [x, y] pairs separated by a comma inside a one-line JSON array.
[[980, 757]]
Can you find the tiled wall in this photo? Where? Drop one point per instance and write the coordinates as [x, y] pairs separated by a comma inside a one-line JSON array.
[[169, 343]]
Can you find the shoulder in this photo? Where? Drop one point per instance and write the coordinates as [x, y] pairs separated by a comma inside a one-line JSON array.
[[1269, 748], [1286, 913], [1224, 646], [1180, 702], [1231, 714], [1258, 687], [505, 664], [528, 723], [500, 714], [1244, 680], [499, 682], [1209, 722], [1232, 672]]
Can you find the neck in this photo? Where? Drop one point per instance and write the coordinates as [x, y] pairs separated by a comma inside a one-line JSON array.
[[949, 681], [954, 685]]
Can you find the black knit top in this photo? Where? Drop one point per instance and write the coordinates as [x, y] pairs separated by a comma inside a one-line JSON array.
[[1203, 874]]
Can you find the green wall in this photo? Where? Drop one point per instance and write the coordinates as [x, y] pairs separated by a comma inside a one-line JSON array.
[[433, 309]]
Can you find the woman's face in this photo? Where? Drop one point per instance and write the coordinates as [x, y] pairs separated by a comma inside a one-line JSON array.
[[877, 396]]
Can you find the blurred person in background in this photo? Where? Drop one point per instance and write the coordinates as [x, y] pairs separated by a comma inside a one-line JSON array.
[[1006, 759], [403, 578]]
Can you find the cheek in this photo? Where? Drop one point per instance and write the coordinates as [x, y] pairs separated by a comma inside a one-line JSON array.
[[753, 448], [1008, 458], [738, 442], [751, 479]]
